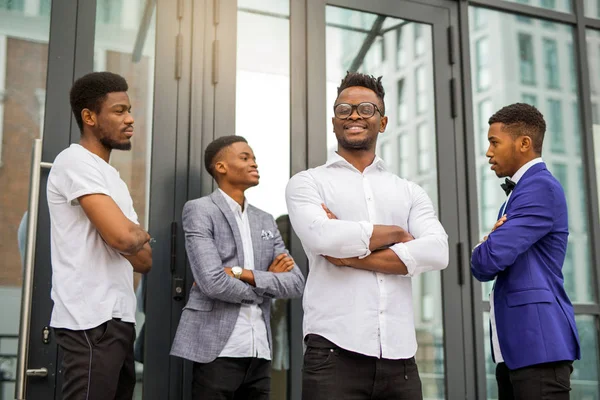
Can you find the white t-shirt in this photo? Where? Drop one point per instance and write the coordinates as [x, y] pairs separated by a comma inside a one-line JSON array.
[[91, 282]]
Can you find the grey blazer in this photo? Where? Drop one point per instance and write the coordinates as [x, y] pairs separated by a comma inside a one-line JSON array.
[[213, 241]]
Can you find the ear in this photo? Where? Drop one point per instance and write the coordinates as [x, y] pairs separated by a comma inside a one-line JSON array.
[[383, 124], [220, 168], [525, 144], [88, 117], [333, 122]]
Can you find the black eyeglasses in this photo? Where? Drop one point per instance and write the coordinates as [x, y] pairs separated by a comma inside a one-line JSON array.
[[364, 110]]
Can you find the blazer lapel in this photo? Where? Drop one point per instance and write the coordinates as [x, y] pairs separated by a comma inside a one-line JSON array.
[[523, 181], [219, 200], [255, 232]]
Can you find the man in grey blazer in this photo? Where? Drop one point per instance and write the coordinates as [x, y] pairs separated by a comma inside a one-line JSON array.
[[239, 263]]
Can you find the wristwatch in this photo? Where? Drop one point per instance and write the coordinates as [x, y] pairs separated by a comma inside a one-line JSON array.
[[237, 272]]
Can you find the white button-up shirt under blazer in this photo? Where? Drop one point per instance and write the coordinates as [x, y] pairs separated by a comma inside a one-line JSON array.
[[249, 336], [362, 311]]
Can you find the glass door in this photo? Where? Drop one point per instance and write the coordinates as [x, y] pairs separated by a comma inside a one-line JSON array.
[[407, 44]]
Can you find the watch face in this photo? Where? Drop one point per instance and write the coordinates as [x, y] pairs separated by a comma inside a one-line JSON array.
[[237, 271]]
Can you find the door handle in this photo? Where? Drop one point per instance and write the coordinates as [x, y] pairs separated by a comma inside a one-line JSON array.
[[39, 372], [24, 326]]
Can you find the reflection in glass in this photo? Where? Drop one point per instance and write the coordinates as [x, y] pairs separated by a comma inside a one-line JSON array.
[[23, 63], [584, 379], [592, 8], [263, 77], [545, 88], [408, 146], [117, 50], [593, 40], [556, 5]]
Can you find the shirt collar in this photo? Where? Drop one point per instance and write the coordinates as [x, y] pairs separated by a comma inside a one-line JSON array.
[[235, 207], [336, 159], [519, 174]]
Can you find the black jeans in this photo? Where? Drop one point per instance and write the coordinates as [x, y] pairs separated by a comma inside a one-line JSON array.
[[332, 373], [549, 381], [98, 363], [228, 378]]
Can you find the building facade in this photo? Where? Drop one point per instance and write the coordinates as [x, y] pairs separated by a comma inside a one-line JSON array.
[[268, 70]]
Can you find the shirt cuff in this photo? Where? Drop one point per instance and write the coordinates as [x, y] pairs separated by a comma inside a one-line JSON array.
[[366, 231], [404, 255]]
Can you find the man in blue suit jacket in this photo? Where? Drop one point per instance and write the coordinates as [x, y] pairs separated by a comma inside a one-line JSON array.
[[533, 332]]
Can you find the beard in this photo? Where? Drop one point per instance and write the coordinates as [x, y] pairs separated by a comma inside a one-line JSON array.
[[363, 144], [110, 143]]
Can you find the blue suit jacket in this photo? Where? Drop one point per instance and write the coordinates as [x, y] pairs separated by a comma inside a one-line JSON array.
[[534, 316]]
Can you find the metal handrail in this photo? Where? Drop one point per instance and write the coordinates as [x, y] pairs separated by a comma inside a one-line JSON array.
[[25, 321]]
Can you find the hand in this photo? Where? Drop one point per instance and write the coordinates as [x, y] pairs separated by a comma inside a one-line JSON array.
[[406, 236], [330, 215], [228, 272], [282, 263], [338, 262], [497, 225]]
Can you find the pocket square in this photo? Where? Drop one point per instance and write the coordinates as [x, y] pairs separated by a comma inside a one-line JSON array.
[[266, 235]]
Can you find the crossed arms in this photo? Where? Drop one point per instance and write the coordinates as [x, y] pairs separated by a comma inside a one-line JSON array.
[[358, 244], [283, 280]]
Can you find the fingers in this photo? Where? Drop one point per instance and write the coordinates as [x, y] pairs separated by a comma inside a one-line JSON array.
[[330, 215]]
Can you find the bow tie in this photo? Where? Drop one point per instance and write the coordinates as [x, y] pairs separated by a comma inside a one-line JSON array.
[[508, 186]]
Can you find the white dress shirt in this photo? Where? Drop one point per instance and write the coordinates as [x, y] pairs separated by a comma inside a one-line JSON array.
[[495, 344], [249, 336], [362, 311]]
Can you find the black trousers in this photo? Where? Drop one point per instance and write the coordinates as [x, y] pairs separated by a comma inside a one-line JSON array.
[[98, 363], [228, 378], [332, 373], [549, 381]]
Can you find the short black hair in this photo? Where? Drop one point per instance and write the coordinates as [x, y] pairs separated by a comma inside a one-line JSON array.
[[368, 81], [91, 90], [522, 119], [214, 148]]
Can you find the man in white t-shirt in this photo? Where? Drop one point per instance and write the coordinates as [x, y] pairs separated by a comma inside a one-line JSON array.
[[96, 244]]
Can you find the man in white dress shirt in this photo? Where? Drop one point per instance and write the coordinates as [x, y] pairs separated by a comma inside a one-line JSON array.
[[366, 232]]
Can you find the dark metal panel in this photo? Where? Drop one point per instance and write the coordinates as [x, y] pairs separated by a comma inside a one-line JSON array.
[[84, 49], [162, 210], [587, 141], [298, 162], [316, 83], [524, 9], [224, 123], [181, 177], [591, 23], [476, 348], [57, 118]]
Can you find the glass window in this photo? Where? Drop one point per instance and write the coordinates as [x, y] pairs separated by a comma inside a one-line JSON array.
[[23, 73], [561, 5], [561, 144], [584, 379], [482, 60], [423, 147], [527, 63], [419, 39], [530, 99], [592, 8], [522, 18], [555, 125], [572, 67], [412, 151], [400, 47], [484, 112], [115, 51], [479, 18], [404, 152], [551, 63], [421, 83], [12, 5], [402, 106]]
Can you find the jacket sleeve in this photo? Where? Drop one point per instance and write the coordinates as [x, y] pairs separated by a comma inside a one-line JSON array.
[[205, 261], [282, 285], [530, 218], [324, 236]]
